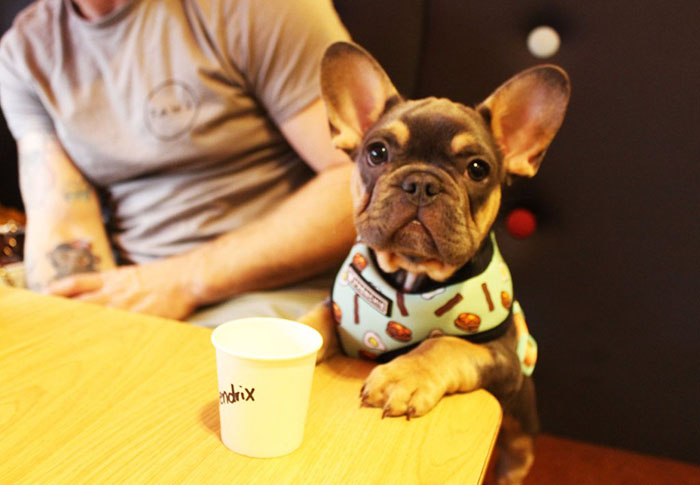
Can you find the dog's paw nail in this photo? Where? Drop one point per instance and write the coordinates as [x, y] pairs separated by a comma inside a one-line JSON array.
[[410, 413], [385, 413], [362, 391]]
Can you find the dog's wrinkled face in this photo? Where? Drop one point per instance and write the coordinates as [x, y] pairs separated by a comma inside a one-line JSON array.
[[428, 186], [428, 178]]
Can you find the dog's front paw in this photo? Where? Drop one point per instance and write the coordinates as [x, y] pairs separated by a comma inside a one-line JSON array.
[[402, 387], [321, 319]]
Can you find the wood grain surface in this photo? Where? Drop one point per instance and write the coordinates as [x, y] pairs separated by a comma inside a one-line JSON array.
[[96, 395]]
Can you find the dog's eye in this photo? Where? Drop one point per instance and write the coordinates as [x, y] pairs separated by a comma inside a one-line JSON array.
[[377, 153], [478, 170]]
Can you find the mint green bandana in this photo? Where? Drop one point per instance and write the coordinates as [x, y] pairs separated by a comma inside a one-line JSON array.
[[375, 318]]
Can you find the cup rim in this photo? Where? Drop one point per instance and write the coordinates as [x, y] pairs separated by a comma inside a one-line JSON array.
[[316, 345]]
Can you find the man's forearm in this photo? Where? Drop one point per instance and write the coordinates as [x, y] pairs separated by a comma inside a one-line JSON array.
[[65, 234], [306, 235]]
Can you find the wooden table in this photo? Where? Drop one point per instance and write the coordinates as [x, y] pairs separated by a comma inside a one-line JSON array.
[[94, 395]]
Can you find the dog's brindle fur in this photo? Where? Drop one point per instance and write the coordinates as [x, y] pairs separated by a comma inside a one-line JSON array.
[[425, 213]]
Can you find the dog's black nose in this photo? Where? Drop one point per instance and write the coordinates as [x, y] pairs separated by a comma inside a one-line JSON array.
[[421, 187]]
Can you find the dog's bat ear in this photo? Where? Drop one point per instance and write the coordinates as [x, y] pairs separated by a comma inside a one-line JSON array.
[[525, 114], [356, 91]]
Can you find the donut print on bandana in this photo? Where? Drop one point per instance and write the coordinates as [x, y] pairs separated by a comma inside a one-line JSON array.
[[468, 322], [506, 300], [398, 332], [359, 262]]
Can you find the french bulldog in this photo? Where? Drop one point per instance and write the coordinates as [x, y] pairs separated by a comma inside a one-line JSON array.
[[425, 289]]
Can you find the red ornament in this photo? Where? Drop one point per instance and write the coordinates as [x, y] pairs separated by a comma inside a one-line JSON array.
[[521, 223]]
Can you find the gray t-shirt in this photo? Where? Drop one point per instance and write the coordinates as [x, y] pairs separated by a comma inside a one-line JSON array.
[[170, 107]]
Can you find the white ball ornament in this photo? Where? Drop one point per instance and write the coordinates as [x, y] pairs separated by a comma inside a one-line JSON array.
[[543, 42]]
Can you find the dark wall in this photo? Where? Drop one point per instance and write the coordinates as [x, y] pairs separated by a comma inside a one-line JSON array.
[[9, 190], [608, 281]]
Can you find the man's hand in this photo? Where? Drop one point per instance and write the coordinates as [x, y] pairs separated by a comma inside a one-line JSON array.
[[157, 288]]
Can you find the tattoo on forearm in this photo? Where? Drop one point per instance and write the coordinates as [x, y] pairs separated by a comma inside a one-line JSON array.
[[73, 257], [38, 177], [77, 190]]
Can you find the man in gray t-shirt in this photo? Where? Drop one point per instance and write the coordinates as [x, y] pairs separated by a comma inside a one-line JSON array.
[[192, 129]]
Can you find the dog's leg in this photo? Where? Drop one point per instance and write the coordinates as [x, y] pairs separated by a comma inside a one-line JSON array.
[[413, 383], [321, 318], [516, 453], [516, 441]]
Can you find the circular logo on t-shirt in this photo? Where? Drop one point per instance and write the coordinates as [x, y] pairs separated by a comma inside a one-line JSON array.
[[171, 110]]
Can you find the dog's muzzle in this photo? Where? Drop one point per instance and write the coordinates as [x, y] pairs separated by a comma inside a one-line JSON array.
[[421, 188]]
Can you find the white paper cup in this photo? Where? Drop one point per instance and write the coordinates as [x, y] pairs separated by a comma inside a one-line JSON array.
[[265, 367]]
